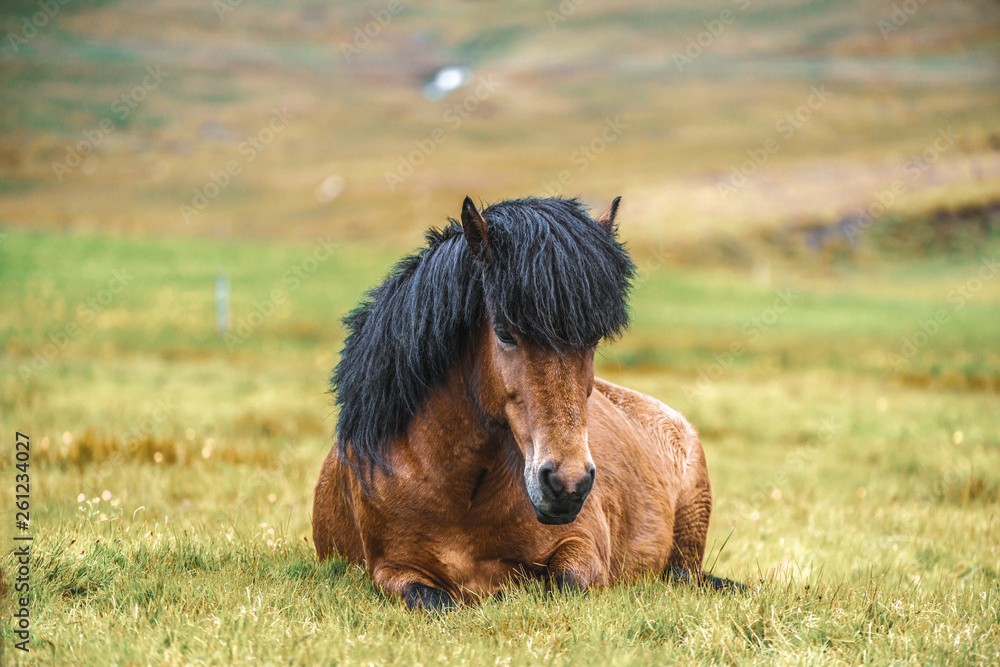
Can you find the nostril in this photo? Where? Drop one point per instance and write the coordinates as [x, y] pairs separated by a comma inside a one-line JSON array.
[[546, 480]]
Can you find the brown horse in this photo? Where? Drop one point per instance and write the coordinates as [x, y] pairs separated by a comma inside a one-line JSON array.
[[475, 445]]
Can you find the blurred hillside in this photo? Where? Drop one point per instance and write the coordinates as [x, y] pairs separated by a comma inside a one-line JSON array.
[[715, 120]]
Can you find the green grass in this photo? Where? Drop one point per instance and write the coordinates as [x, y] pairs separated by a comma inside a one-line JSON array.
[[858, 503]]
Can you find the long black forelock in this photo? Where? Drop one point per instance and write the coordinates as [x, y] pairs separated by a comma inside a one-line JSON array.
[[553, 275], [550, 273]]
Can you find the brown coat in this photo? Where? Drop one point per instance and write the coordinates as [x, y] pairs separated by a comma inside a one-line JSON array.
[[455, 516]]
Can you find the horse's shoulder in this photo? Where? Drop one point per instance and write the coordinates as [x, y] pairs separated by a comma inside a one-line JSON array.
[[651, 415]]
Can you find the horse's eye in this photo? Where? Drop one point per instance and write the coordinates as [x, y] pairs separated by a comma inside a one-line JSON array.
[[504, 336]]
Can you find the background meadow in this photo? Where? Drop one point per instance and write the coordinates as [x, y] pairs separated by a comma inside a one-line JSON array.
[[813, 199]]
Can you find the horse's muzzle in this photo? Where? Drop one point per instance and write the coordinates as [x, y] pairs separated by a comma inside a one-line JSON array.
[[556, 520], [556, 499]]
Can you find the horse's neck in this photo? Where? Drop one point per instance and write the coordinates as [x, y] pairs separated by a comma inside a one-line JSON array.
[[454, 437]]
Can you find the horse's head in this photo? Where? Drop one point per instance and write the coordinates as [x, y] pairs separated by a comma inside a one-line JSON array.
[[551, 294], [544, 394]]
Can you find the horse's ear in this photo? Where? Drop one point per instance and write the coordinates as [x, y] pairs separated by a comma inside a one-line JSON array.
[[474, 226], [608, 217]]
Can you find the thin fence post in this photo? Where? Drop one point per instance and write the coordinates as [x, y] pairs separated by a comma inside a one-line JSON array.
[[222, 303]]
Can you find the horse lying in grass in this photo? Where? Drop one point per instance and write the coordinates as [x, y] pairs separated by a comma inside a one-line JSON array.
[[475, 446]]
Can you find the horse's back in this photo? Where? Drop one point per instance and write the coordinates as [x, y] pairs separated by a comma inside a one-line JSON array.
[[669, 436]]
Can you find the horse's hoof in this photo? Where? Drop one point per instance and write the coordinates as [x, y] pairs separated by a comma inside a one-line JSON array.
[[678, 574], [724, 585], [708, 580], [567, 582], [419, 596]]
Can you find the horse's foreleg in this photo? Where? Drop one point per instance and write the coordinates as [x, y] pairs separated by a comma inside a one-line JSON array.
[[574, 566]]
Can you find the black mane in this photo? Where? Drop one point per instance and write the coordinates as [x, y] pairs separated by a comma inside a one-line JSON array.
[[551, 274]]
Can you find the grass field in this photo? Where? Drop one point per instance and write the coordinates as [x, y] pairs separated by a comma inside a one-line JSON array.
[[171, 476], [842, 363]]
